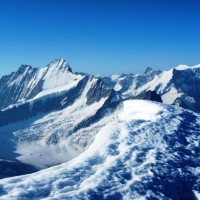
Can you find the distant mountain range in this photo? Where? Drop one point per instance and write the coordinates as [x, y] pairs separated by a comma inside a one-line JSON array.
[[179, 86], [104, 131]]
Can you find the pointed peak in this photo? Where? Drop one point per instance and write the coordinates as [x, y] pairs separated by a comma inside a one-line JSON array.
[[123, 75], [185, 67], [60, 64], [148, 70], [23, 68], [151, 71]]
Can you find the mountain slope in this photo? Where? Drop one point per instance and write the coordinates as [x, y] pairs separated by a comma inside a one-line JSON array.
[[28, 82], [59, 122], [178, 86], [150, 150]]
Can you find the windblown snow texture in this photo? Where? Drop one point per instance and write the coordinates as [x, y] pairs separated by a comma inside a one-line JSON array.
[[150, 152]]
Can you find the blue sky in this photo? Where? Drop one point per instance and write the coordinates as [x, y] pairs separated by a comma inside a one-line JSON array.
[[100, 36]]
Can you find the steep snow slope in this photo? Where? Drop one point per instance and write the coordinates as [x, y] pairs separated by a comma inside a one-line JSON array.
[[150, 151], [178, 86]]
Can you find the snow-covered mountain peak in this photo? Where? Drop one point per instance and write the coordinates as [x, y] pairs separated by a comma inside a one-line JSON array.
[[185, 67], [59, 64], [24, 67], [181, 67], [151, 71], [148, 70], [59, 73], [30, 83]]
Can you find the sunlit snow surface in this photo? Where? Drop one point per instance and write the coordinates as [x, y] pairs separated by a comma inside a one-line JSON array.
[[150, 152]]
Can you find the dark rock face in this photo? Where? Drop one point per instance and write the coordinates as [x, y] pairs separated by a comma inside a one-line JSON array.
[[108, 107], [188, 82], [149, 95], [151, 71], [98, 91], [14, 87]]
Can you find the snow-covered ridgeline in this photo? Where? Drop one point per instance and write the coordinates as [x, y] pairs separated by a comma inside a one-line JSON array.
[[28, 82], [178, 86]]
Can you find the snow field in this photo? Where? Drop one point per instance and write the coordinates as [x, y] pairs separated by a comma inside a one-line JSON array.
[[130, 158]]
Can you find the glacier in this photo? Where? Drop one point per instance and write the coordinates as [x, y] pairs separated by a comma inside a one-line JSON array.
[[148, 150]]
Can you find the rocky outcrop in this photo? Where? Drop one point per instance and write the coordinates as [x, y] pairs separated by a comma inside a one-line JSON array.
[[149, 95], [14, 168], [98, 91]]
